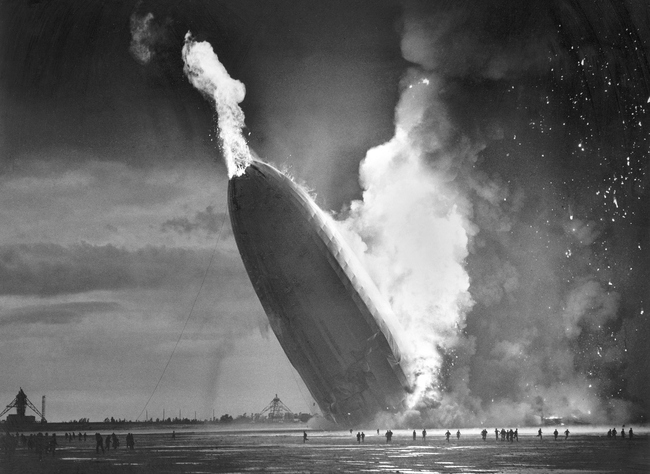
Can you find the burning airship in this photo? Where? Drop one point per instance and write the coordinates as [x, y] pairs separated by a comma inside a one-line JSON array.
[[329, 317]]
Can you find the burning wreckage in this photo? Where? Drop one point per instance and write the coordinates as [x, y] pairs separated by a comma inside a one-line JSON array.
[[329, 317]]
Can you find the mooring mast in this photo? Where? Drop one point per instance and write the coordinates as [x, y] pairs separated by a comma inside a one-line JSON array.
[[277, 411], [21, 402]]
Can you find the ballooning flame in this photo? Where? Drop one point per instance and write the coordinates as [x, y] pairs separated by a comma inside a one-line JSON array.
[[209, 76]]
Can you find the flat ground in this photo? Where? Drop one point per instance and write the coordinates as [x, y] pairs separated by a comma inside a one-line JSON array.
[[283, 451]]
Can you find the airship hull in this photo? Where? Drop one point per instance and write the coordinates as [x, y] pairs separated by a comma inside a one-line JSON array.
[[326, 313]]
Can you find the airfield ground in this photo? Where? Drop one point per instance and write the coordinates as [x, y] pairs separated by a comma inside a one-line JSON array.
[[283, 451]]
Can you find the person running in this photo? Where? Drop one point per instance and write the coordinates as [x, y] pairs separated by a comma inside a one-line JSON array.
[[53, 443], [447, 435], [539, 434], [566, 434], [100, 443]]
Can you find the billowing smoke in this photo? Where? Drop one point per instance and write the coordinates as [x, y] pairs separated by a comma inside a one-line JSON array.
[[209, 76], [504, 286], [142, 38], [414, 234]]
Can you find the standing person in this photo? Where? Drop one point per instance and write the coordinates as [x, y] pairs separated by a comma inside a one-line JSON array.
[[613, 432], [517, 434], [53, 443], [539, 433], [458, 434], [496, 433], [566, 434], [631, 433], [363, 437], [447, 435], [623, 432], [358, 437], [100, 443], [107, 443], [424, 434], [304, 437], [483, 434], [555, 433], [116, 441], [389, 436], [414, 435]]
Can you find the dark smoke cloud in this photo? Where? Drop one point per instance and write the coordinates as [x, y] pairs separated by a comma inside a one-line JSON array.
[[208, 221], [540, 108]]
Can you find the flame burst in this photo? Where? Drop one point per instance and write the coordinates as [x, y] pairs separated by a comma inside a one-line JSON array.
[[209, 76]]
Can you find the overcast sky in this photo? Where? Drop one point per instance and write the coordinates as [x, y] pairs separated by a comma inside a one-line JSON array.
[[113, 192]]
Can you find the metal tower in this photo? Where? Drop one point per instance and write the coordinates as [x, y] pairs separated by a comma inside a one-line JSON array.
[[21, 402], [276, 410]]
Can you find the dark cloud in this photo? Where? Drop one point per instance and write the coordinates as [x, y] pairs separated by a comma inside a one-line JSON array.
[[56, 313], [208, 221], [50, 269]]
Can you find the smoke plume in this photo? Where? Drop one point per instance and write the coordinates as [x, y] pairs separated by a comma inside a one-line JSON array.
[[504, 286], [209, 76]]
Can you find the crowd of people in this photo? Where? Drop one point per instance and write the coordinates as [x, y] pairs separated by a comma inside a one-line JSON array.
[[42, 444]]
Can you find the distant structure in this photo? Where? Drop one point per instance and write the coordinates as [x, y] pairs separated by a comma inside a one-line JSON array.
[[277, 411], [21, 402]]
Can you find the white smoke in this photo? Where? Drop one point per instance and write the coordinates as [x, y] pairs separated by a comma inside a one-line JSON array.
[[412, 235], [143, 36], [209, 76]]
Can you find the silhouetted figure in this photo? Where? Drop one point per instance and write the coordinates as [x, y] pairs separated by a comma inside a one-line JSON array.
[[116, 442], [304, 437], [609, 433], [100, 443], [555, 433], [566, 434], [631, 433], [130, 443], [107, 443], [85, 436], [377, 430], [623, 432], [516, 434], [511, 435], [414, 435], [363, 437], [484, 434], [79, 436], [613, 432], [389, 436], [358, 437], [424, 434], [458, 434], [496, 433], [503, 434], [447, 435], [53, 443], [539, 433]]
